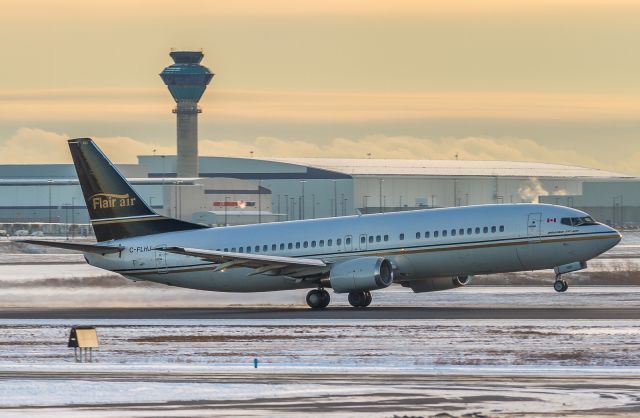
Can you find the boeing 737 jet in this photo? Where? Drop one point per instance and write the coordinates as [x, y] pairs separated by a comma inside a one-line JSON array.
[[425, 250]]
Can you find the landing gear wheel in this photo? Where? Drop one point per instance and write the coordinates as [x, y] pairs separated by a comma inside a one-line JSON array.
[[560, 285], [367, 299], [360, 299], [318, 299], [326, 298]]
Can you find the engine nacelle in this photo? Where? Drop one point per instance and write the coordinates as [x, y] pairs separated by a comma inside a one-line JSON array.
[[361, 274], [439, 283]]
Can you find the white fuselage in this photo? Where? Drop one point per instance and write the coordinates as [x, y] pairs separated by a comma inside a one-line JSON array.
[[420, 244]]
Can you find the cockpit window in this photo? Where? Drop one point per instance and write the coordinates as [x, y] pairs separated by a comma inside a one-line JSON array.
[[582, 221]]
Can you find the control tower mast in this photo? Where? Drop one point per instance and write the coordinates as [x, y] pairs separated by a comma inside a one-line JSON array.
[[187, 81]]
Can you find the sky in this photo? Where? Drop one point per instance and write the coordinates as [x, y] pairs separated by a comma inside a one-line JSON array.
[[550, 81]]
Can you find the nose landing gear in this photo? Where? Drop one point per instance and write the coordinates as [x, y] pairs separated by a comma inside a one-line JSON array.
[[360, 299], [560, 285], [318, 298]]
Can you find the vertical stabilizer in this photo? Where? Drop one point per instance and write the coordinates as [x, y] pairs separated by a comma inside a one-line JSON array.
[[115, 209]]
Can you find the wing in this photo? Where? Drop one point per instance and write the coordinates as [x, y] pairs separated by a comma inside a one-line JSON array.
[[262, 264], [85, 248]]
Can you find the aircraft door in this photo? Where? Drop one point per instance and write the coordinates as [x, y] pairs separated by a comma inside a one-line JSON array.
[[533, 227], [363, 241], [161, 260], [348, 244]]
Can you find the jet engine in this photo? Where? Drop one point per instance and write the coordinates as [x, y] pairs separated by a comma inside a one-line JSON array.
[[438, 283], [360, 274]]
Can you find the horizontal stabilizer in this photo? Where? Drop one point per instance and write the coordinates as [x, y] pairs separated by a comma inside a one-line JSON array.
[[85, 248]]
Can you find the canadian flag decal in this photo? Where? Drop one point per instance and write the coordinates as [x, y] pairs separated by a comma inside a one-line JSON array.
[[551, 220]]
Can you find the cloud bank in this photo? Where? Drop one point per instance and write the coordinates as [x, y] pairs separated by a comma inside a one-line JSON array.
[[51, 147]]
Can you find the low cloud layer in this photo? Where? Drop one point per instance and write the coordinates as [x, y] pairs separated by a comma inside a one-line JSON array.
[[52, 148]]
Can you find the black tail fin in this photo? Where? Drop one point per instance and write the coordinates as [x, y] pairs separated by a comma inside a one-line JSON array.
[[115, 209]]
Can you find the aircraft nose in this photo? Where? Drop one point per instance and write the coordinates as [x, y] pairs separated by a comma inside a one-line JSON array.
[[615, 236]]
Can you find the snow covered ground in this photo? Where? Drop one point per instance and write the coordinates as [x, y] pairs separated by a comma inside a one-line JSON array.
[[334, 367]]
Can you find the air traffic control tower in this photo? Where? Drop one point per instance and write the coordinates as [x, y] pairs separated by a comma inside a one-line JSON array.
[[187, 81]]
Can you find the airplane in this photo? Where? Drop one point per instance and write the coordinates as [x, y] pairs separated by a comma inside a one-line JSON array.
[[424, 250]]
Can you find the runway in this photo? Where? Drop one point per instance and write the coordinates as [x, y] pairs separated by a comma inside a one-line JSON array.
[[489, 351], [339, 313]]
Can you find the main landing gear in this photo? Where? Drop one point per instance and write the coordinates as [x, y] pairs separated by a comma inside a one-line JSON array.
[[360, 299], [318, 298], [560, 285]]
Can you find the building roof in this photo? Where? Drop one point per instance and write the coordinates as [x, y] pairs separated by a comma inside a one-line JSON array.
[[391, 167]]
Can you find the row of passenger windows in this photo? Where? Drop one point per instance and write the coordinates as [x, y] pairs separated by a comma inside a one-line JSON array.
[[461, 231], [305, 244], [363, 239]]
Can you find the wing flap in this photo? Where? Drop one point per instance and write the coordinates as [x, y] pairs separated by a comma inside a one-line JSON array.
[[261, 262]]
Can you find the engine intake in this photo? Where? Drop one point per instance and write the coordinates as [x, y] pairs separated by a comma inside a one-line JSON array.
[[361, 274]]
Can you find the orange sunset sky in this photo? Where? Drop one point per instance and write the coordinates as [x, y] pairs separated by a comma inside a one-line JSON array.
[[552, 81]]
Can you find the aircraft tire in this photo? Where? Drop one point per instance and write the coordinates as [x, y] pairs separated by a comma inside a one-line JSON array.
[[326, 298], [316, 300], [358, 299], [560, 286], [367, 299]]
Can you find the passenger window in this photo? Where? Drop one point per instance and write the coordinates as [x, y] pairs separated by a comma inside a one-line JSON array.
[[485, 229], [313, 244], [226, 250], [370, 238], [453, 232], [306, 244], [378, 238], [401, 237], [274, 247], [297, 245], [426, 234], [461, 232], [240, 250], [417, 235], [363, 240], [322, 243], [386, 237], [501, 228], [248, 249], [435, 234], [339, 241], [290, 246], [469, 231], [257, 249], [444, 232], [233, 250], [493, 229], [477, 230], [329, 243], [347, 241]]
